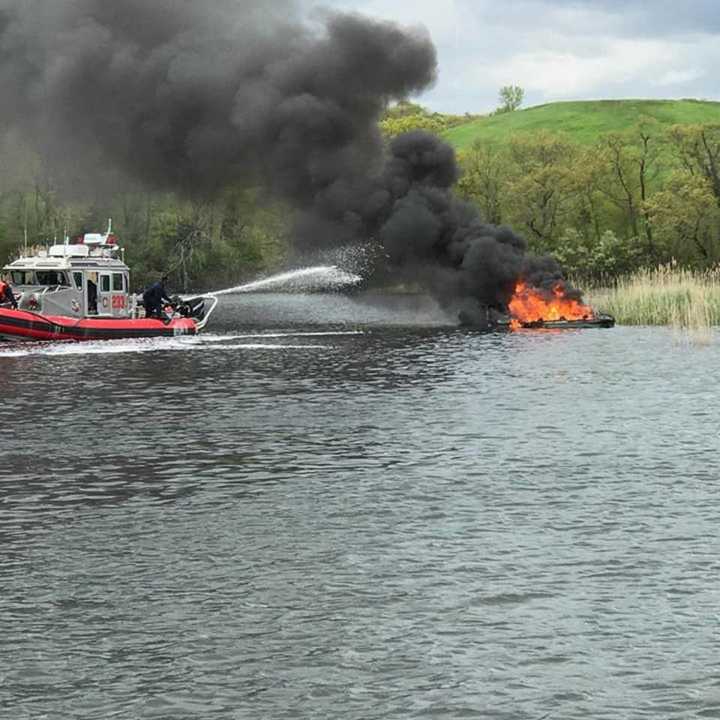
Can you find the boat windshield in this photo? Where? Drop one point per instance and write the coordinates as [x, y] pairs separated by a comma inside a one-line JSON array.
[[51, 277], [39, 277], [22, 277]]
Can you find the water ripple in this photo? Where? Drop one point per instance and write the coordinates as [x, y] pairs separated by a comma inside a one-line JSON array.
[[312, 521]]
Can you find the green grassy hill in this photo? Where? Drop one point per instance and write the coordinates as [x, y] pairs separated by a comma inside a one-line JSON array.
[[582, 121]]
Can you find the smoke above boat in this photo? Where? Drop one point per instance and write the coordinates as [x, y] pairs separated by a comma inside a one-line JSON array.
[[191, 97]]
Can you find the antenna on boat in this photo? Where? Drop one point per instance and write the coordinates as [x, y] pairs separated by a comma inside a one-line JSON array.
[[25, 210]]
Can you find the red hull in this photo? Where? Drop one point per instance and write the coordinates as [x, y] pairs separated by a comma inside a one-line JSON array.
[[25, 325]]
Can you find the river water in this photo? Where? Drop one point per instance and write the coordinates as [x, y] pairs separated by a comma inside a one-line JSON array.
[[333, 507]]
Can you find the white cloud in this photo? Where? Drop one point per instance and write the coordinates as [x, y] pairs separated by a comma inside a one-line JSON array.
[[556, 49], [566, 74], [679, 76]]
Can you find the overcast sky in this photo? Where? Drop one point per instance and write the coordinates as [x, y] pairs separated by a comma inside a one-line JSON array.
[[562, 49]]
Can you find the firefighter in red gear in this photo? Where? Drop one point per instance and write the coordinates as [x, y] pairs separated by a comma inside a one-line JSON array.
[[7, 296]]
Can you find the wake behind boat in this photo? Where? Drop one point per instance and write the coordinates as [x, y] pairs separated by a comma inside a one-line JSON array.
[[80, 291]]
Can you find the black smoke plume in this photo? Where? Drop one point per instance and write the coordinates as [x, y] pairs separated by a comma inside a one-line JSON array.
[[191, 96]]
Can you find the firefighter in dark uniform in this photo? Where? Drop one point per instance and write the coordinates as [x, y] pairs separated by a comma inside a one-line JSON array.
[[154, 297]]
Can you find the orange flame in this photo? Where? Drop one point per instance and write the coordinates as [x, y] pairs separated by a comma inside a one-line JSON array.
[[531, 304]]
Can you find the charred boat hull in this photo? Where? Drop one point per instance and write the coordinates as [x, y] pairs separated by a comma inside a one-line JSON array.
[[490, 324], [599, 321]]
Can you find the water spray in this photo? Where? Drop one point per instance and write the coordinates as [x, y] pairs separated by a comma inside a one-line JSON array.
[[319, 277]]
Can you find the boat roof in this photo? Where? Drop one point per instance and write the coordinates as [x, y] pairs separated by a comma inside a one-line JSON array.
[[69, 257]]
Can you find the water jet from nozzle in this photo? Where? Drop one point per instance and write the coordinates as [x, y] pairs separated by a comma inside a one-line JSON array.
[[320, 277]]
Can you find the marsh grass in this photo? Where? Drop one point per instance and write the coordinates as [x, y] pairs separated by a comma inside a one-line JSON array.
[[666, 295]]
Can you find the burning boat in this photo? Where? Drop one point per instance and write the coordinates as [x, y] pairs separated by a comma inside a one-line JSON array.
[[81, 291], [535, 308], [532, 307]]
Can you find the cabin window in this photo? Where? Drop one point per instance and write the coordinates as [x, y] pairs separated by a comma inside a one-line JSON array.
[[77, 276], [117, 282], [22, 277], [51, 277], [104, 283]]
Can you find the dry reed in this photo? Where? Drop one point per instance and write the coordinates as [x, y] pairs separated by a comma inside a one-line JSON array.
[[667, 295]]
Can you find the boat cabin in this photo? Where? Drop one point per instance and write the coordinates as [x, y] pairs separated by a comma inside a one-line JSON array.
[[80, 279]]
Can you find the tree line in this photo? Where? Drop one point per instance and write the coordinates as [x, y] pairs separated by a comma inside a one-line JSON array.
[[406, 116], [202, 245], [644, 197], [636, 199]]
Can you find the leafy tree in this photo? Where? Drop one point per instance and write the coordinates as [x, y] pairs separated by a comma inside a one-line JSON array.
[[485, 179], [542, 186], [597, 259], [406, 116], [511, 98], [632, 164], [686, 219], [698, 149], [392, 126]]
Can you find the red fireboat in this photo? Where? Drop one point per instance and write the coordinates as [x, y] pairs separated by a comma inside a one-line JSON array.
[[81, 291]]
